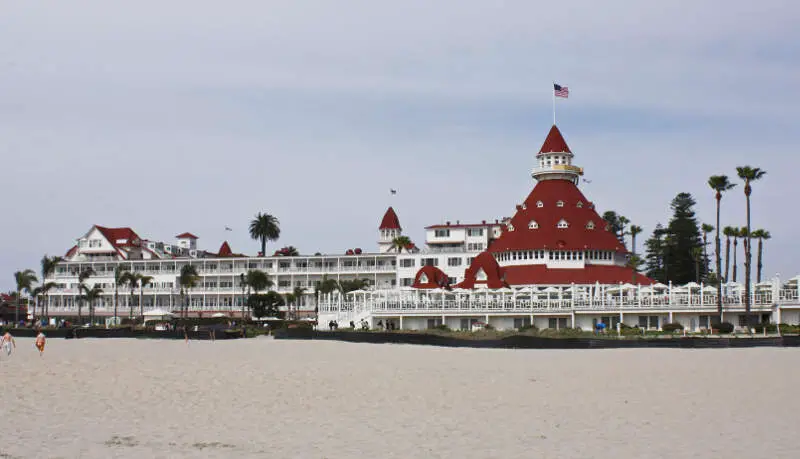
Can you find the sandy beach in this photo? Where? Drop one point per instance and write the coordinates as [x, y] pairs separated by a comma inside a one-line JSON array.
[[261, 397]]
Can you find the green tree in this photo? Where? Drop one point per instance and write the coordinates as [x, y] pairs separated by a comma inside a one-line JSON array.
[[616, 224], [729, 232], [144, 281], [41, 291], [258, 280], [265, 305], [188, 280], [90, 296], [24, 280], [706, 229], [245, 287], [655, 248], [346, 286], [83, 276], [749, 175], [48, 268], [265, 227], [762, 235], [289, 251], [697, 255], [720, 184], [400, 243], [293, 299], [684, 237], [121, 277], [736, 235]]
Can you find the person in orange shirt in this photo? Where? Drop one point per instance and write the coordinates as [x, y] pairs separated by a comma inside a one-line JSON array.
[[40, 342]]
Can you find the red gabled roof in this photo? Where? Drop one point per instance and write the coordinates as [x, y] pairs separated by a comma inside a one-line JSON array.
[[390, 220], [554, 143], [116, 234], [224, 250], [434, 278], [186, 236], [71, 251], [548, 236], [494, 273], [590, 274]]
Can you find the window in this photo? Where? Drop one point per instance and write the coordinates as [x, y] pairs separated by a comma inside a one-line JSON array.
[[475, 246], [648, 322], [539, 204], [429, 262], [533, 225], [510, 227], [480, 275], [520, 322], [579, 205], [407, 263], [433, 323], [456, 261], [442, 233], [470, 260], [452, 280], [590, 225], [524, 206], [562, 224], [742, 321], [475, 232], [423, 278], [406, 282], [284, 283], [560, 204]]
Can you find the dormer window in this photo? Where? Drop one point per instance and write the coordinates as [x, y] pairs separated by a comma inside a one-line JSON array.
[[579, 205], [423, 279], [524, 206], [539, 204], [560, 204], [562, 224], [480, 275], [510, 227], [608, 228], [590, 225], [533, 225]]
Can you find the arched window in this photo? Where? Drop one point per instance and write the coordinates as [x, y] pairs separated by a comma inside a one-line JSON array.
[[510, 227], [562, 224], [423, 279], [480, 275], [590, 225], [539, 204], [524, 206], [533, 225], [579, 204], [560, 204]]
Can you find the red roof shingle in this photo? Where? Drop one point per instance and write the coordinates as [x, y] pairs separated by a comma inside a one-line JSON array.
[[390, 220], [554, 143]]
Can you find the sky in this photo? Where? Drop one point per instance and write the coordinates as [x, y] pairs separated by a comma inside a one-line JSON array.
[[195, 115]]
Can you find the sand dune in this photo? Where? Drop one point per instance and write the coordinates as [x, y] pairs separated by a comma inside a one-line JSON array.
[[257, 398]]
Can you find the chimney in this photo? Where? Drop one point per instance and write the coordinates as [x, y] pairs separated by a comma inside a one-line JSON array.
[[483, 222], [448, 223], [458, 222]]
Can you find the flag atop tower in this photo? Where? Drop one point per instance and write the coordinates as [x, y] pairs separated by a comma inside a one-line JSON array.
[[561, 91]]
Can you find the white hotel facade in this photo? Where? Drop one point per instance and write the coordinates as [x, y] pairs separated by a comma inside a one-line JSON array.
[[553, 264]]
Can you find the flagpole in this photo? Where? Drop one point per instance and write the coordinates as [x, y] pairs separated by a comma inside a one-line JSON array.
[[554, 103]]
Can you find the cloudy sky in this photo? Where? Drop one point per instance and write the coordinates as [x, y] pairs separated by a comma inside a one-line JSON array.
[[194, 115]]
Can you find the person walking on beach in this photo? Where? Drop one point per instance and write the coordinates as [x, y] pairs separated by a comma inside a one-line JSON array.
[[7, 342], [40, 342]]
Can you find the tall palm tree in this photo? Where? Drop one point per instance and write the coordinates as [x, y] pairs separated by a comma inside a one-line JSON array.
[[720, 184], [762, 235], [256, 280], [749, 175], [131, 280], [294, 299], [24, 280], [48, 268], [144, 281], [188, 280], [729, 232], [400, 243], [90, 295], [697, 255], [41, 291], [265, 227], [82, 277], [736, 236], [121, 277]]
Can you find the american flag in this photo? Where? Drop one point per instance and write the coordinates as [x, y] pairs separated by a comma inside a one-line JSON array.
[[561, 91]]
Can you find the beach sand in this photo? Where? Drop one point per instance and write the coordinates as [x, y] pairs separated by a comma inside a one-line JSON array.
[[261, 397]]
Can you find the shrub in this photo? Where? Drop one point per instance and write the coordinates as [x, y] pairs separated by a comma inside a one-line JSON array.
[[442, 327], [527, 328], [786, 328], [724, 327], [771, 328], [672, 327], [488, 327]]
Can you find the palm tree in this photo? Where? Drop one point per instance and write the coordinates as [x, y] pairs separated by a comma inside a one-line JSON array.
[[144, 281], [42, 291], [243, 284], [400, 243], [762, 235], [294, 298], [265, 227], [82, 276], [131, 279], [720, 184], [634, 231], [257, 280], [749, 175], [188, 280], [25, 280], [48, 268], [736, 235], [729, 232], [121, 277], [90, 295]]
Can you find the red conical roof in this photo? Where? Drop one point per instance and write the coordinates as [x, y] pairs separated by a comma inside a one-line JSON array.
[[554, 143], [225, 250], [390, 220], [537, 227]]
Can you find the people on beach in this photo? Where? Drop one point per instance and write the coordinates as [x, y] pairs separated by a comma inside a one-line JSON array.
[[41, 340], [8, 343]]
